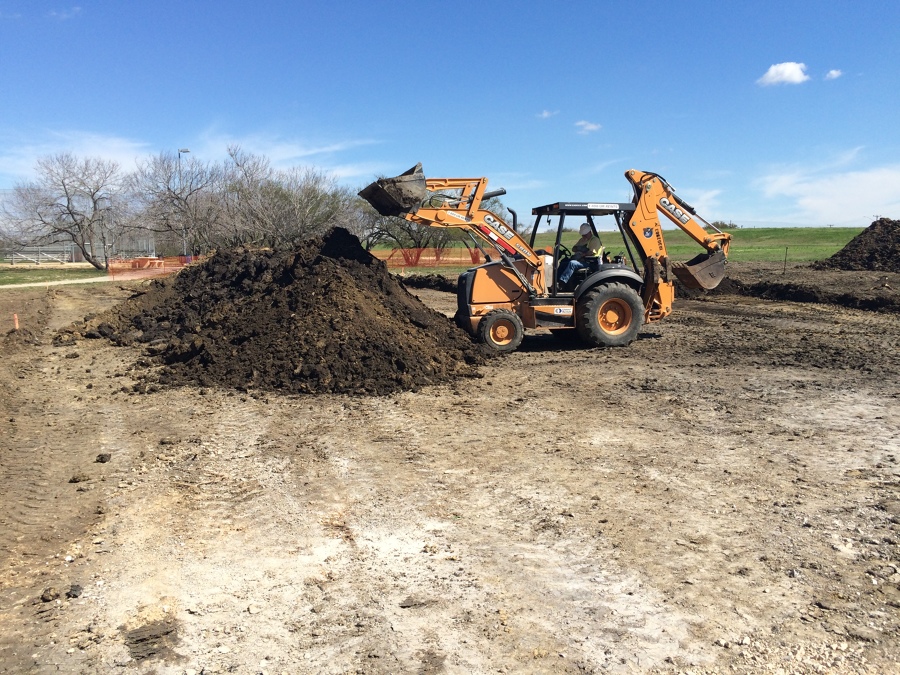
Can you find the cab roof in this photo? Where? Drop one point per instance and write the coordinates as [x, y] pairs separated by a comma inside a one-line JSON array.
[[583, 209]]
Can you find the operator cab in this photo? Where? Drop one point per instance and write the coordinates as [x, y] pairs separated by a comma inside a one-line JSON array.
[[556, 257]]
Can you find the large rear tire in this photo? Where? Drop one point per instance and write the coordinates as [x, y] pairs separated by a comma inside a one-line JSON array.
[[609, 315], [501, 330]]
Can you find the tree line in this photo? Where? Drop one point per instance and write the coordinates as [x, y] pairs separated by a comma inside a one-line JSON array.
[[189, 206]]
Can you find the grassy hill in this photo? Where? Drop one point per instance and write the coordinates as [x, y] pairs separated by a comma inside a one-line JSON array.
[[803, 244]]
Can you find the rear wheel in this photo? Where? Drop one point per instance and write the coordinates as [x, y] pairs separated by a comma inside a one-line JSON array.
[[501, 330], [609, 315]]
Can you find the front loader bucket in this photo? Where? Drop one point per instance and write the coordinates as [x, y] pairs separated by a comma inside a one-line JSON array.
[[704, 271], [398, 195]]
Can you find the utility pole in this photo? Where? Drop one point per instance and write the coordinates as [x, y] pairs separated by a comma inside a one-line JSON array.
[[182, 151]]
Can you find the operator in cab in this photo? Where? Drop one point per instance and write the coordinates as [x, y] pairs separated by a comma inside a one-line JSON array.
[[588, 246]]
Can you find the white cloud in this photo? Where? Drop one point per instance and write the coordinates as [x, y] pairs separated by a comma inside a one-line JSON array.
[[283, 153], [18, 157], [585, 127], [836, 197], [546, 114], [833, 74], [355, 172], [704, 201], [784, 73], [19, 154], [599, 167], [515, 181], [64, 14]]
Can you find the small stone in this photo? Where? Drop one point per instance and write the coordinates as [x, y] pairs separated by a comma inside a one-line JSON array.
[[253, 609], [79, 477], [49, 594], [863, 633], [74, 592], [103, 458]]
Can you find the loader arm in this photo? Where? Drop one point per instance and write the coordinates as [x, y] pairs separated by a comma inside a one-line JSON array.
[[443, 209], [450, 203]]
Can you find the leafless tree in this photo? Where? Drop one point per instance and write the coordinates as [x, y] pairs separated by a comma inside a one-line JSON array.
[[73, 199], [366, 223], [270, 207], [178, 198]]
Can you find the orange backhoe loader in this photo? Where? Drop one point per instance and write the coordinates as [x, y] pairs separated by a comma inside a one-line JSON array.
[[605, 303]]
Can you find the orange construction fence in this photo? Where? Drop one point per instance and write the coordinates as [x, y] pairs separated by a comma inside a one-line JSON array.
[[144, 267], [429, 257]]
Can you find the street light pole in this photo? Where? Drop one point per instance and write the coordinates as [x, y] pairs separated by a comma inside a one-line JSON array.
[[182, 151]]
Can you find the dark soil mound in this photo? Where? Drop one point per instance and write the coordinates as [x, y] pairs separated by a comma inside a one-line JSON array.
[[726, 287], [876, 248], [325, 317], [871, 292], [435, 282]]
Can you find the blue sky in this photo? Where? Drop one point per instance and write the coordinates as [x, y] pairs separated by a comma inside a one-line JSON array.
[[763, 113]]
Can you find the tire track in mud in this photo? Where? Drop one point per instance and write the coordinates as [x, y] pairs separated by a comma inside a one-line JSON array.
[[51, 490], [37, 477], [226, 534], [492, 580], [456, 530]]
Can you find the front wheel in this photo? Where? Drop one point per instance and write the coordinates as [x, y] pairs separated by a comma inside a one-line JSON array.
[[501, 330], [609, 315], [461, 319]]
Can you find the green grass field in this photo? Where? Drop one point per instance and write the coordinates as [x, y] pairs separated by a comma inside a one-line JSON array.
[[797, 244], [802, 244], [19, 274]]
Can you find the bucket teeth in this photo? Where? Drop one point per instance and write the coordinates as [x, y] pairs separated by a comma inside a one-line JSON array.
[[398, 195]]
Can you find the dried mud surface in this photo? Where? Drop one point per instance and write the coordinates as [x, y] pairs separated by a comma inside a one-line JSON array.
[[722, 496]]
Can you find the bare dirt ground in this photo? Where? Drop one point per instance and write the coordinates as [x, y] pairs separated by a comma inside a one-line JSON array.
[[722, 496]]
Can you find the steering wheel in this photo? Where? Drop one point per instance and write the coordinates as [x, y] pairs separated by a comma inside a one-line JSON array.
[[564, 251]]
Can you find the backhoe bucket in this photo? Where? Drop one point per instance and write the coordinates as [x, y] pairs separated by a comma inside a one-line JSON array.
[[705, 271], [399, 195]]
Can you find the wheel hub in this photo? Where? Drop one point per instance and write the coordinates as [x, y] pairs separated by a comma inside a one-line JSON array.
[[614, 316], [502, 332]]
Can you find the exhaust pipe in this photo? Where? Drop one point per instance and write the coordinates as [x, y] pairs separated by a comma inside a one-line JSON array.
[[398, 195]]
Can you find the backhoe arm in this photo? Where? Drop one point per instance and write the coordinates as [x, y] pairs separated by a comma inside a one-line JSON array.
[[653, 194]]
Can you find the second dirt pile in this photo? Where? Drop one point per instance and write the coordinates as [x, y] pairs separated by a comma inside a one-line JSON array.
[[324, 317], [877, 248]]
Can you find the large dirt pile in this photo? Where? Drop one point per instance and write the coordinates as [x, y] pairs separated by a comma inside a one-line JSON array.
[[325, 317], [877, 248]]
